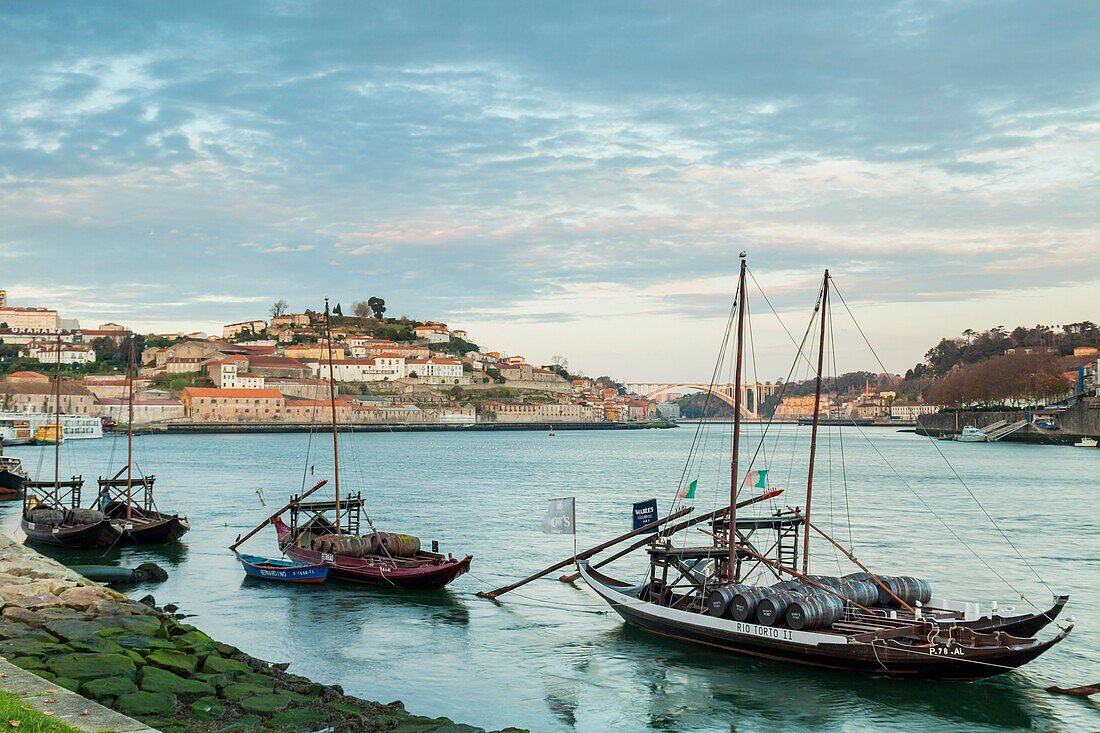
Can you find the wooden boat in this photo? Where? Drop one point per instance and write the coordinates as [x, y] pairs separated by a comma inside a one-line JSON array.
[[52, 514], [712, 595], [377, 558], [283, 571], [13, 477], [128, 500]]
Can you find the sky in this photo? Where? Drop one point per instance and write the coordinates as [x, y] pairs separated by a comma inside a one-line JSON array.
[[558, 178]]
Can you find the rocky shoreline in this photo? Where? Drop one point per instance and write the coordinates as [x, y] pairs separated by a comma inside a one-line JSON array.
[[146, 664]]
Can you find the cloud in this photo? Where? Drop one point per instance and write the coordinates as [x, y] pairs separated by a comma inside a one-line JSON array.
[[524, 162]]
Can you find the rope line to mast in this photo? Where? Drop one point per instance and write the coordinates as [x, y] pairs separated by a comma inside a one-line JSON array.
[[951, 466], [929, 509]]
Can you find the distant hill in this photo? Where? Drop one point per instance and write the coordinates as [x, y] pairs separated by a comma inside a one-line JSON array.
[[975, 346]]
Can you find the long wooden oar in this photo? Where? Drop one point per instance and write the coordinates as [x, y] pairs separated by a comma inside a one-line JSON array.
[[240, 541], [573, 577], [586, 554]]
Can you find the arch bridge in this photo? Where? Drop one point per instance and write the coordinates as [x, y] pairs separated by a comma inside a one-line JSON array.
[[752, 393]]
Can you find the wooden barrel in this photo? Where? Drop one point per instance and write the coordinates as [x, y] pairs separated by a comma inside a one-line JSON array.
[[719, 598], [814, 611], [907, 588], [47, 516], [85, 516], [399, 545], [863, 592], [743, 604], [771, 611]]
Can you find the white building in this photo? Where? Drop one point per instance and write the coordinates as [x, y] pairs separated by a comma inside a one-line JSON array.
[[361, 370], [228, 375], [909, 412], [436, 370], [46, 353]]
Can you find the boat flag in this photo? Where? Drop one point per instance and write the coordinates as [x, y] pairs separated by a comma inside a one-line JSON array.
[[561, 517], [645, 513], [688, 492], [756, 479]]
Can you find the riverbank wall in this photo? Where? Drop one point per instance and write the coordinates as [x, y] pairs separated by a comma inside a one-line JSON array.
[[224, 427], [170, 676], [1082, 419]]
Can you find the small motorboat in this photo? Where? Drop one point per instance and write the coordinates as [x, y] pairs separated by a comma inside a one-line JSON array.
[[971, 434], [1085, 442], [283, 571]]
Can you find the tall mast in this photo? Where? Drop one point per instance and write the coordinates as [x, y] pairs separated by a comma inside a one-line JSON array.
[[57, 425], [130, 431], [731, 571], [813, 433], [332, 404]]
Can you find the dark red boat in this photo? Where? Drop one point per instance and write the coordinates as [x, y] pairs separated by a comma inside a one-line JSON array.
[[421, 571]]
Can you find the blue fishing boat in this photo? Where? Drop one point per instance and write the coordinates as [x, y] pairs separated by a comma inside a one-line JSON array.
[[284, 571]]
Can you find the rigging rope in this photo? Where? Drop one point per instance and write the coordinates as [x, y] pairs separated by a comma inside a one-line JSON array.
[[949, 464]]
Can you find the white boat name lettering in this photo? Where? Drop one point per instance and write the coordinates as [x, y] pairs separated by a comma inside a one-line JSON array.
[[768, 631]]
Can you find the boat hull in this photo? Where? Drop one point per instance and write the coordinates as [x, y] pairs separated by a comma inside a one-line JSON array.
[[146, 527], [815, 649], [297, 573], [377, 570], [11, 484], [80, 536]]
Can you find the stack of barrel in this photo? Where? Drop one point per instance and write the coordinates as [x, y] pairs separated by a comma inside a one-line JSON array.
[[801, 605], [375, 543]]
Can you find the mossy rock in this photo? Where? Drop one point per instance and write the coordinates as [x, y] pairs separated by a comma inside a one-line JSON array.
[[146, 703], [155, 679], [243, 723], [70, 629], [240, 690], [45, 674], [28, 647], [221, 665], [265, 704], [127, 624], [138, 659], [107, 687], [96, 644], [68, 683], [217, 680], [92, 666], [207, 708], [195, 641], [173, 660], [298, 718], [10, 629], [140, 641], [167, 725], [31, 663]]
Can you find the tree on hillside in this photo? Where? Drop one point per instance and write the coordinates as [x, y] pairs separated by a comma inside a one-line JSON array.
[[279, 308], [361, 309], [1018, 379], [377, 306]]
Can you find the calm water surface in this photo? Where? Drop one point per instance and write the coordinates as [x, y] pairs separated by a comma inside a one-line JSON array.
[[548, 657]]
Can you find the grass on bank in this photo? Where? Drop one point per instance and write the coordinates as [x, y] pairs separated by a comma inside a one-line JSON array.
[[17, 716]]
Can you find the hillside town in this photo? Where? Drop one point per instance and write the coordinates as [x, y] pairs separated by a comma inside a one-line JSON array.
[[277, 371]]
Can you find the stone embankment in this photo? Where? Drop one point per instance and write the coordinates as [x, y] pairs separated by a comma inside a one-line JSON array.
[[1082, 419], [133, 659]]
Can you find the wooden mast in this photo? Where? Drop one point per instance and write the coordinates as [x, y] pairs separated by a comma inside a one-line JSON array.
[[332, 404], [130, 431], [731, 570], [817, 419], [57, 425]]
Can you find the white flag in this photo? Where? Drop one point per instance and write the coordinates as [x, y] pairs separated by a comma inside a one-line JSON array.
[[561, 517]]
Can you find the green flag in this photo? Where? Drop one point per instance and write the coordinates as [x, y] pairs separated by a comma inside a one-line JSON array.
[[688, 492]]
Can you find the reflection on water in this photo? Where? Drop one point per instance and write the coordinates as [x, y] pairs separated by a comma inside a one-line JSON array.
[[549, 657]]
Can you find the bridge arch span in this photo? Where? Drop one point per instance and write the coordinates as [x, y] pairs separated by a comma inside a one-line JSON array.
[[749, 403]]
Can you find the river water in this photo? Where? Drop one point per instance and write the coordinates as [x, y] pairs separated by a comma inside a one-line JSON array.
[[549, 657]]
